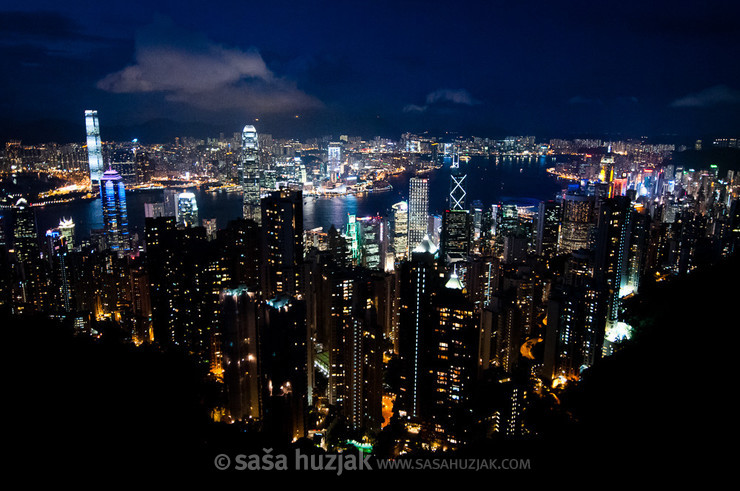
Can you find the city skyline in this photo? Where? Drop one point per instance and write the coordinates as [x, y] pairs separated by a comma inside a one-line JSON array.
[[472, 68], [403, 333], [394, 235]]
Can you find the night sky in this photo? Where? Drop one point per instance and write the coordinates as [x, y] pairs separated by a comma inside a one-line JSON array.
[[310, 68]]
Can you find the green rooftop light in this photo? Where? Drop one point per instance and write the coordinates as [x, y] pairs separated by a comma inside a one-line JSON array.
[[364, 447]]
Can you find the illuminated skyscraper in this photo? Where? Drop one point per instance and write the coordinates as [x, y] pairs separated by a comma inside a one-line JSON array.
[[417, 285], [355, 355], [67, 229], [612, 254], [418, 210], [476, 210], [507, 218], [458, 184], [548, 223], [606, 171], [249, 174], [115, 215], [57, 250], [282, 230], [240, 332], [456, 233], [577, 220], [94, 147], [268, 182], [453, 341], [576, 317], [33, 278], [144, 166], [400, 230], [25, 235], [334, 160], [187, 210], [353, 238], [373, 242]]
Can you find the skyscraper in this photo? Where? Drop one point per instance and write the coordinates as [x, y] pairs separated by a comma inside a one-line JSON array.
[[576, 316], [458, 184], [282, 230], [187, 210], [373, 242], [418, 283], [94, 148], [453, 342], [548, 223], [334, 160], [115, 215], [154, 210], [612, 254], [476, 210], [400, 230], [606, 171], [144, 166], [418, 210], [67, 229], [249, 174], [353, 238], [577, 220], [355, 361], [57, 250], [240, 341], [284, 366], [170, 203], [25, 235], [33, 279], [456, 233]]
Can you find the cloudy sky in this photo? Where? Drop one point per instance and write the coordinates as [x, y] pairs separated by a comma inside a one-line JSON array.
[[378, 67]]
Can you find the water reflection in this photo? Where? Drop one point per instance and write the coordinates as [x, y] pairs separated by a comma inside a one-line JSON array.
[[518, 178]]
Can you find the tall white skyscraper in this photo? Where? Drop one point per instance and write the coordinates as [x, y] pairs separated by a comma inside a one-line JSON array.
[[249, 174], [334, 160], [187, 210], [67, 229], [418, 210], [400, 230], [457, 183], [94, 147]]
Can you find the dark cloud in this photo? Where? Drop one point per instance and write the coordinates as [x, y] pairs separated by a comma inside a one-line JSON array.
[[37, 25], [51, 32], [466, 65], [196, 71], [455, 96], [713, 96], [414, 108], [443, 97]]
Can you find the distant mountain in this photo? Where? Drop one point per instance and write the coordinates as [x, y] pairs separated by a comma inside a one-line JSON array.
[[63, 131], [43, 131], [724, 158]]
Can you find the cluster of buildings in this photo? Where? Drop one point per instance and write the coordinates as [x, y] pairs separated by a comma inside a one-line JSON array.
[[451, 324]]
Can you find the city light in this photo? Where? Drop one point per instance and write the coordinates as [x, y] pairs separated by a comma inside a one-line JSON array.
[[467, 234]]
